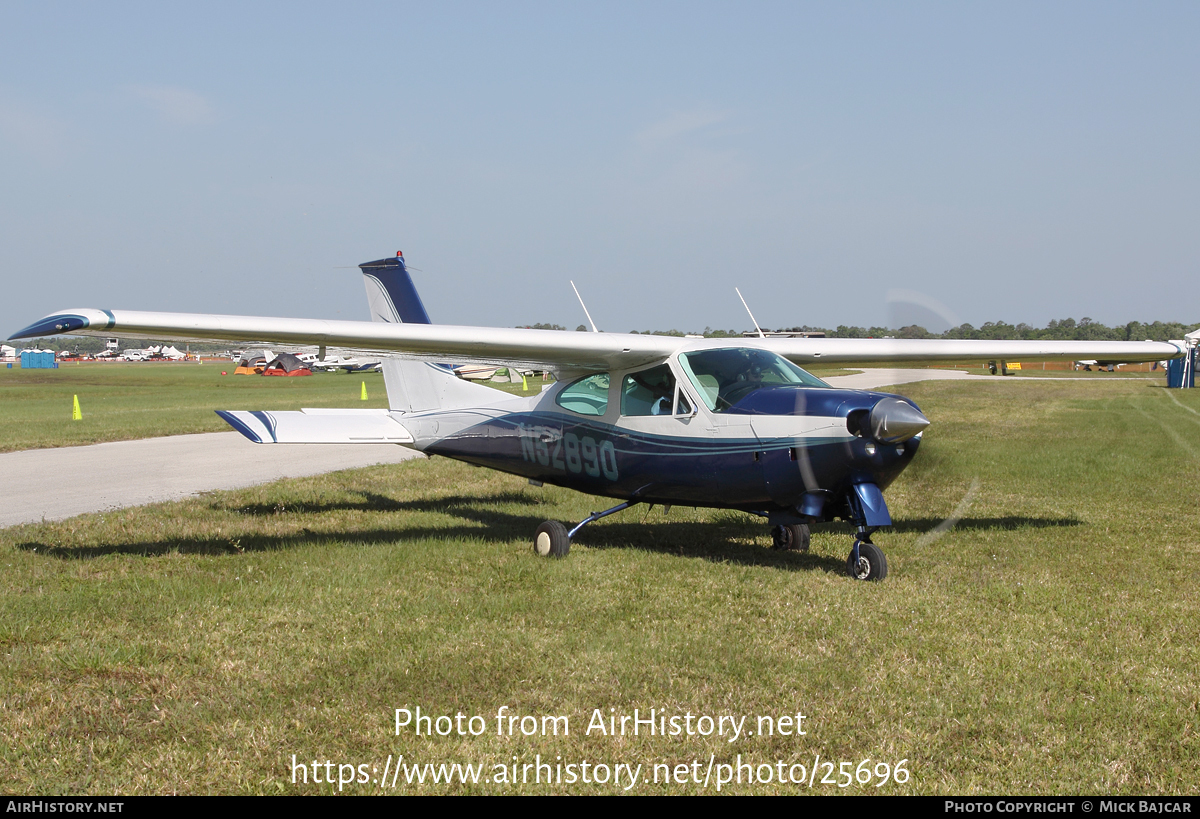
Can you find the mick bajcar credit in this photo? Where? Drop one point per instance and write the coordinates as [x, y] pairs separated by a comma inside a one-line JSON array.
[[412, 764], [1070, 805]]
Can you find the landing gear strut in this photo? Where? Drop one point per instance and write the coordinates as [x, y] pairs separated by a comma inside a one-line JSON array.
[[553, 540]]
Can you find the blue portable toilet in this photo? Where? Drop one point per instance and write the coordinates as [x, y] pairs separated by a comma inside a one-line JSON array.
[[1181, 372], [37, 360]]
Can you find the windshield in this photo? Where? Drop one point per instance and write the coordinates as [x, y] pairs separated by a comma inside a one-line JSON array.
[[725, 377]]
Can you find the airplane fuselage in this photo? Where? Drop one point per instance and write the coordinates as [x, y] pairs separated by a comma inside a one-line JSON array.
[[765, 454]]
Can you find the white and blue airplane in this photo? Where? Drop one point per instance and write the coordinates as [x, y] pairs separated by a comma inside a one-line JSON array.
[[734, 424]]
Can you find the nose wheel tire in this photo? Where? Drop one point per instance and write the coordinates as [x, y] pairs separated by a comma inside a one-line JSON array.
[[551, 540], [794, 538], [871, 564]]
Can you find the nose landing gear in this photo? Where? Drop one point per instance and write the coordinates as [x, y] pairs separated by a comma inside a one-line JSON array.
[[866, 560], [868, 511]]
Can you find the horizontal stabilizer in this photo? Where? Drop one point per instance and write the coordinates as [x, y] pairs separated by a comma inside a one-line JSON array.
[[318, 426]]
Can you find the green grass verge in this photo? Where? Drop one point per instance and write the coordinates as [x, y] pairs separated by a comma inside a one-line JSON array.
[[122, 402], [1046, 644]]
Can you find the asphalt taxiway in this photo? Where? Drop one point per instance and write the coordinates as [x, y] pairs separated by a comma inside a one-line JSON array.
[[53, 484]]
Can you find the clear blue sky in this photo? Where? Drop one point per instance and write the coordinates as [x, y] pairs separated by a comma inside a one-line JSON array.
[[989, 160]]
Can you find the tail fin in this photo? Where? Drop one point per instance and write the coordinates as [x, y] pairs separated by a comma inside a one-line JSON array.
[[391, 294], [414, 386]]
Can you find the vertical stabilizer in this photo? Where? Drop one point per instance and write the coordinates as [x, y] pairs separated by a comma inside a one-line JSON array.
[[391, 294], [414, 386]]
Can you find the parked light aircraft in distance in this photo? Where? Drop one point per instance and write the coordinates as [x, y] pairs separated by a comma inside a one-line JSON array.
[[345, 364], [725, 423]]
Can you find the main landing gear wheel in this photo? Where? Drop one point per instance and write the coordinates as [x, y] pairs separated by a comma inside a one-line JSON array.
[[794, 538], [871, 565], [551, 540]]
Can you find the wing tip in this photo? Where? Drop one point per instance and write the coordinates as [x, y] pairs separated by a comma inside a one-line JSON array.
[[239, 425], [53, 325]]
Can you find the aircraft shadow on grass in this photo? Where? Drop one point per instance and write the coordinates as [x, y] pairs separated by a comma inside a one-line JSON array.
[[723, 541], [1008, 522]]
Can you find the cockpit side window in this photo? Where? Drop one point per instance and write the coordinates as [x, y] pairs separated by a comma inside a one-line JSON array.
[[648, 392], [587, 396], [682, 405]]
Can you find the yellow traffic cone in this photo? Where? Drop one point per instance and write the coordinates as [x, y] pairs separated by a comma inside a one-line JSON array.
[[524, 383], [76, 415], [364, 391]]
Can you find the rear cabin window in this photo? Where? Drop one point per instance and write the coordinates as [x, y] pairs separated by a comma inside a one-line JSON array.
[[587, 396]]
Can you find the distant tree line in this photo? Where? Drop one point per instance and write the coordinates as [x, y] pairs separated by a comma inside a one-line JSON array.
[[1059, 330]]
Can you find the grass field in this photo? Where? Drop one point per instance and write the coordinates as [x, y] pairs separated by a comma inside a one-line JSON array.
[[144, 400], [1046, 643]]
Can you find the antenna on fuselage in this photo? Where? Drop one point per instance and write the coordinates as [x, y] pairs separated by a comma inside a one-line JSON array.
[[595, 329], [761, 334]]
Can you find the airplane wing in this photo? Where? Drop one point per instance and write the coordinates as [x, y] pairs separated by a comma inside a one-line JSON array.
[[538, 349], [866, 350], [561, 350]]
